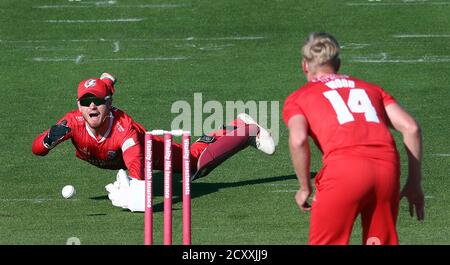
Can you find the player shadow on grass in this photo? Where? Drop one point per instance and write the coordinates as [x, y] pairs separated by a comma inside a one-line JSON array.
[[199, 188]]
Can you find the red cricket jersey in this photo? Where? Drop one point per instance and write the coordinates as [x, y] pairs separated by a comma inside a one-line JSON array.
[[346, 116], [120, 148]]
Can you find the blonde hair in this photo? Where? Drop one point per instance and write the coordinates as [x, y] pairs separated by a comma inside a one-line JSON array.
[[321, 48]]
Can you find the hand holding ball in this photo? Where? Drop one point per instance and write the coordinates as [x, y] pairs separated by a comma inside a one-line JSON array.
[[68, 191]]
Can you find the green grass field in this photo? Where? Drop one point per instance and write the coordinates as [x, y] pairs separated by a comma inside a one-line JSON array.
[[165, 51]]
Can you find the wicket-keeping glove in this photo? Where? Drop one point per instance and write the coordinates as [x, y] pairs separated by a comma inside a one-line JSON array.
[[56, 134], [127, 192]]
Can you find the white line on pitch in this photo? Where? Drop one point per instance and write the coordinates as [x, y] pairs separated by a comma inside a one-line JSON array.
[[397, 4], [37, 200], [424, 59], [110, 2], [49, 49], [78, 59], [43, 41], [422, 36], [24, 41], [43, 59], [401, 61], [354, 45], [87, 40], [441, 155], [59, 6], [280, 184], [215, 47], [156, 6], [119, 20], [116, 46], [142, 59], [279, 191], [203, 39], [20, 200], [102, 39], [230, 38]]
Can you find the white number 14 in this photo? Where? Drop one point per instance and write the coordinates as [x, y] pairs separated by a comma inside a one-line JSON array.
[[358, 102]]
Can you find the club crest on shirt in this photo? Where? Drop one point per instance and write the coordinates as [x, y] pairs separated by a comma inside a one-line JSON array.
[[89, 83]]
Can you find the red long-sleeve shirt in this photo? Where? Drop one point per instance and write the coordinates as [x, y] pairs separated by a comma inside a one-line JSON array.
[[346, 116], [120, 148]]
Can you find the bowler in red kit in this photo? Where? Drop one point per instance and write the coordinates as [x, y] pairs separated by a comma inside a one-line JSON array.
[[349, 120]]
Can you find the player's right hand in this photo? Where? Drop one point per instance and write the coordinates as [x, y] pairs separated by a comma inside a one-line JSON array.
[[301, 197], [56, 134], [416, 199]]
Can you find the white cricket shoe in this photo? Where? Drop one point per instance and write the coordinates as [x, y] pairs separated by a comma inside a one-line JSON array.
[[264, 140], [109, 76]]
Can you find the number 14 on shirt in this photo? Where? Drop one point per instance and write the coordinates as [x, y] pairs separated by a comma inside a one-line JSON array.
[[358, 102]]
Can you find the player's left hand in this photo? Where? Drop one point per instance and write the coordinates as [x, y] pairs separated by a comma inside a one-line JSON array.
[[414, 195]]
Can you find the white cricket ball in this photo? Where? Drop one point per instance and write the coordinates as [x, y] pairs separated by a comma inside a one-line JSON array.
[[68, 191]]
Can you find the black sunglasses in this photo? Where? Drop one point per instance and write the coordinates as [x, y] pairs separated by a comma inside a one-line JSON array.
[[86, 102]]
